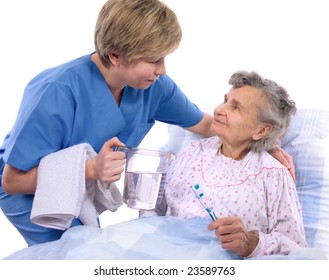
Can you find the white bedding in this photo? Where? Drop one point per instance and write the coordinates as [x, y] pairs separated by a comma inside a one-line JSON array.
[[153, 238]]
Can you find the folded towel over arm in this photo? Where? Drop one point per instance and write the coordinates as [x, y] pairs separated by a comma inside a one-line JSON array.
[[62, 193]]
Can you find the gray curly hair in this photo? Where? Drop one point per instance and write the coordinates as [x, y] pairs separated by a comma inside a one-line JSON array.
[[277, 111]]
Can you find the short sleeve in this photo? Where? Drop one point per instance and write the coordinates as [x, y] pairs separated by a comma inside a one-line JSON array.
[[43, 126], [175, 107]]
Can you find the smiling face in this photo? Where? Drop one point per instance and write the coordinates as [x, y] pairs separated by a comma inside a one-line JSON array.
[[235, 120]]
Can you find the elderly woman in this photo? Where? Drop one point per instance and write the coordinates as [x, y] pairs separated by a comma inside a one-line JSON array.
[[253, 195]]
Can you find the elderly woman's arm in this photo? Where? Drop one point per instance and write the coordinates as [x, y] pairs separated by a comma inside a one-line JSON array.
[[285, 229], [285, 222]]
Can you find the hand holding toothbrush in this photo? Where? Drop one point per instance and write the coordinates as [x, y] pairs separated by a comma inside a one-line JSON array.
[[233, 235], [230, 230]]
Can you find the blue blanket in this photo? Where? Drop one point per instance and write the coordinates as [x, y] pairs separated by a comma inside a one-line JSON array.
[[153, 238]]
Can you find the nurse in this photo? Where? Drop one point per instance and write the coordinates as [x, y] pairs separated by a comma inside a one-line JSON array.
[[107, 98]]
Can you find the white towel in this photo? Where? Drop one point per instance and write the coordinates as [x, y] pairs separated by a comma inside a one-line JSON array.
[[62, 193]]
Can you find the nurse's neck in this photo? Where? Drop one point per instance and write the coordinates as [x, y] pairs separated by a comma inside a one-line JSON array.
[[109, 75]]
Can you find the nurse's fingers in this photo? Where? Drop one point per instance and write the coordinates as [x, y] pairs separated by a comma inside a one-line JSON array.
[[113, 142]]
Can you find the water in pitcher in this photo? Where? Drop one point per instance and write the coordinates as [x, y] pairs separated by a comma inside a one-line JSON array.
[[143, 190]]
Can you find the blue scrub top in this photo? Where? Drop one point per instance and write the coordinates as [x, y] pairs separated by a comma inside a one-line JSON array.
[[71, 104]]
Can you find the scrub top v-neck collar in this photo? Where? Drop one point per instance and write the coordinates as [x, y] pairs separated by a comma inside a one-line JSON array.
[[108, 98]]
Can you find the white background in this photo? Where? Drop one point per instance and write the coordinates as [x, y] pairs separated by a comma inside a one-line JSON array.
[[284, 40]]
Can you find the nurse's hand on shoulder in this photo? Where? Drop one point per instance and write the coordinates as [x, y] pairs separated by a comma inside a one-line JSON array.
[[285, 159], [108, 165]]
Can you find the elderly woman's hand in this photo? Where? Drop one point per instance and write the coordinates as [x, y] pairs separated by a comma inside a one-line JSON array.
[[285, 159], [233, 235]]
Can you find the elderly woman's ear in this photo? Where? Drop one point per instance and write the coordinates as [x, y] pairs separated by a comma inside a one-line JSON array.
[[262, 131]]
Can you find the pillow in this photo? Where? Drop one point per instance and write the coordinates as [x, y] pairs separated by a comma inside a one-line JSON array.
[[307, 140]]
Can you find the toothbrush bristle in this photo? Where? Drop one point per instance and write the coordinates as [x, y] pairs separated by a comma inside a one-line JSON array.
[[200, 194], [197, 190], [196, 187]]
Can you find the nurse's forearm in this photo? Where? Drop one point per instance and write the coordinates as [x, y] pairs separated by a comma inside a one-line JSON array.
[[15, 181], [204, 126]]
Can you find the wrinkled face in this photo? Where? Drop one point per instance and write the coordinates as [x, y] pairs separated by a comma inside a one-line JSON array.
[[142, 73], [235, 120]]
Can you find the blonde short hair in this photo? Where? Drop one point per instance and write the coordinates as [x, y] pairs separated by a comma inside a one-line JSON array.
[[136, 29]]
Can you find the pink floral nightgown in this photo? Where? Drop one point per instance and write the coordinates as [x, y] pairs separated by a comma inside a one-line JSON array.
[[258, 189]]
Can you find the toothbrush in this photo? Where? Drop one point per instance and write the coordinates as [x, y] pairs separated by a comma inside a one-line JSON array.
[[198, 192]]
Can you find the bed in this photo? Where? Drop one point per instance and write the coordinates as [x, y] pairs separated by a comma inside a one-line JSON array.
[[170, 238]]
